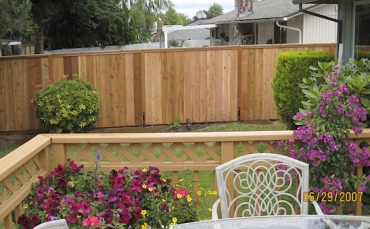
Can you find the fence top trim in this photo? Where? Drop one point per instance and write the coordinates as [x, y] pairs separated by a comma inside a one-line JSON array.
[[180, 137], [110, 52], [170, 137], [22, 154]]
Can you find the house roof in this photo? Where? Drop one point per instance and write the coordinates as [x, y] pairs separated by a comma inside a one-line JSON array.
[[190, 32], [269, 10], [316, 1]]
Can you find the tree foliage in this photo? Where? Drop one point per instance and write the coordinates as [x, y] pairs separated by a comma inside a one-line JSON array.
[[15, 19], [91, 23], [185, 19], [171, 17], [215, 9]]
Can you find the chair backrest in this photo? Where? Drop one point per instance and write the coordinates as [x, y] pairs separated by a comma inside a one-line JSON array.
[[55, 224], [262, 184]]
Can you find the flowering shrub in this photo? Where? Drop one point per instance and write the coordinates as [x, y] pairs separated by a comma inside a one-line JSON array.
[[331, 111], [68, 105], [121, 199]]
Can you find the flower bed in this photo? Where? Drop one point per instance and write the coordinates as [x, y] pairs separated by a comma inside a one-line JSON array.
[[88, 197]]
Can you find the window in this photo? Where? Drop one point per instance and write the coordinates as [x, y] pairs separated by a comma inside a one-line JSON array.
[[362, 32]]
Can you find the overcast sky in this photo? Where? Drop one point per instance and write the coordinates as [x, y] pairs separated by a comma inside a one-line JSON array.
[[190, 7]]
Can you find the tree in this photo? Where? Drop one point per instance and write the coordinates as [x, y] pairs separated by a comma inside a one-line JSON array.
[[215, 9], [171, 17], [15, 19], [185, 19], [91, 23]]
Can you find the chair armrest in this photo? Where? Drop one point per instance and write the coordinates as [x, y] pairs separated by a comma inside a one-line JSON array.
[[57, 224], [214, 209], [317, 208]]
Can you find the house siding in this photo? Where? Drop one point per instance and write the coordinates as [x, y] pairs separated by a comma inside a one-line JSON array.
[[265, 32], [293, 35], [319, 30]]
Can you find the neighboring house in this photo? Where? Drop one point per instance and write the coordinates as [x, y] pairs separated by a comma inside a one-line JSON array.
[[274, 22], [193, 35], [354, 19], [189, 37], [11, 48]]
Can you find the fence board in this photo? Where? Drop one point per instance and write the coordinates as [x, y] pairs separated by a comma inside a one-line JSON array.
[[202, 84]]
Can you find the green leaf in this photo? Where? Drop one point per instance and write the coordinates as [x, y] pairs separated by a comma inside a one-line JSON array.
[[309, 94], [365, 101]]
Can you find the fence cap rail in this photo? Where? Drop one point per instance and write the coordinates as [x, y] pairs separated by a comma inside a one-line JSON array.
[[22, 154], [170, 137], [180, 137]]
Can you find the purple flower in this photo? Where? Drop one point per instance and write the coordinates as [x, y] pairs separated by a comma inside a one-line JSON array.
[[362, 187], [322, 158], [98, 155]]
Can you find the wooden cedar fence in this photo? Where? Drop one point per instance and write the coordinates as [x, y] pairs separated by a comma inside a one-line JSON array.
[[153, 86]]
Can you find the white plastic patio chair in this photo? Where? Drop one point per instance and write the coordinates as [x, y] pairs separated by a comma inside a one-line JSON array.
[[262, 184], [55, 224]]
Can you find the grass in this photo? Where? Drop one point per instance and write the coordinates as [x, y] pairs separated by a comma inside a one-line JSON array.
[[7, 148], [240, 126]]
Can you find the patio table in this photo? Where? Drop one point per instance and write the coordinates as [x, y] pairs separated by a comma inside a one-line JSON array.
[[283, 222]]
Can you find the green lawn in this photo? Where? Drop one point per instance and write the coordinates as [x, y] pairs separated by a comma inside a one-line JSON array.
[[7, 148], [240, 126]]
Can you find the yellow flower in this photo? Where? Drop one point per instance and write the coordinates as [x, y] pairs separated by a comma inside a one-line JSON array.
[[144, 170], [25, 206], [143, 186], [210, 209], [163, 200], [150, 189], [199, 192], [174, 221], [143, 213], [188, 198], [178, 196], [145, 226], [181, 180]]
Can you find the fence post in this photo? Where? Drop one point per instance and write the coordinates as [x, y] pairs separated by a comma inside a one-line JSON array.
[[227, 154], [44, 158], [59, 154], [358, 202]]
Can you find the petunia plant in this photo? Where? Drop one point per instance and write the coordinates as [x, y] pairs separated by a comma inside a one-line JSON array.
[[332, 110], [90, 198]]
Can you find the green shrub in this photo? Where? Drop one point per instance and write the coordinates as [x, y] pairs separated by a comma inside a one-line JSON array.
[[291, 68], [68, 105], [359, 54]]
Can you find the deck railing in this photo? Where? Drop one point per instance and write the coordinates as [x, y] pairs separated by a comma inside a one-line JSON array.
[[167, 151]]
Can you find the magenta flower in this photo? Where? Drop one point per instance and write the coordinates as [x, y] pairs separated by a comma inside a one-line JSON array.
[[362, 187], [136, 185]]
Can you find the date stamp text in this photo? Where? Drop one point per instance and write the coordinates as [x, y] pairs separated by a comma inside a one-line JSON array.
[[332, 197]]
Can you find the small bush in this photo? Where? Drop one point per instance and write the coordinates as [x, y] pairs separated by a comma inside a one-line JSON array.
[[68, 105], [291, 68]]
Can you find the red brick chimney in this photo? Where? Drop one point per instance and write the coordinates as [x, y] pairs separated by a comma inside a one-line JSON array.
[[244, 7], [158, 33]]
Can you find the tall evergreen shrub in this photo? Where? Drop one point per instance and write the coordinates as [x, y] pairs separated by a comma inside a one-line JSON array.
[[291, 68]]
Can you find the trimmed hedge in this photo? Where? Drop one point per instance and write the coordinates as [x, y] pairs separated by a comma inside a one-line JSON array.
[[291, 68]]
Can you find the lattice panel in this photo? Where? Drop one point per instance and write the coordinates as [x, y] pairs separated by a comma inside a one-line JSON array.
[[18, 178], [146, 152], [360, 142], [242, 148]]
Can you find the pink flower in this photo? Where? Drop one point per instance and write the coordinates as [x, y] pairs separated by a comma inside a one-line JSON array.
[[362, 187], [91, 221], [182, 191]]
